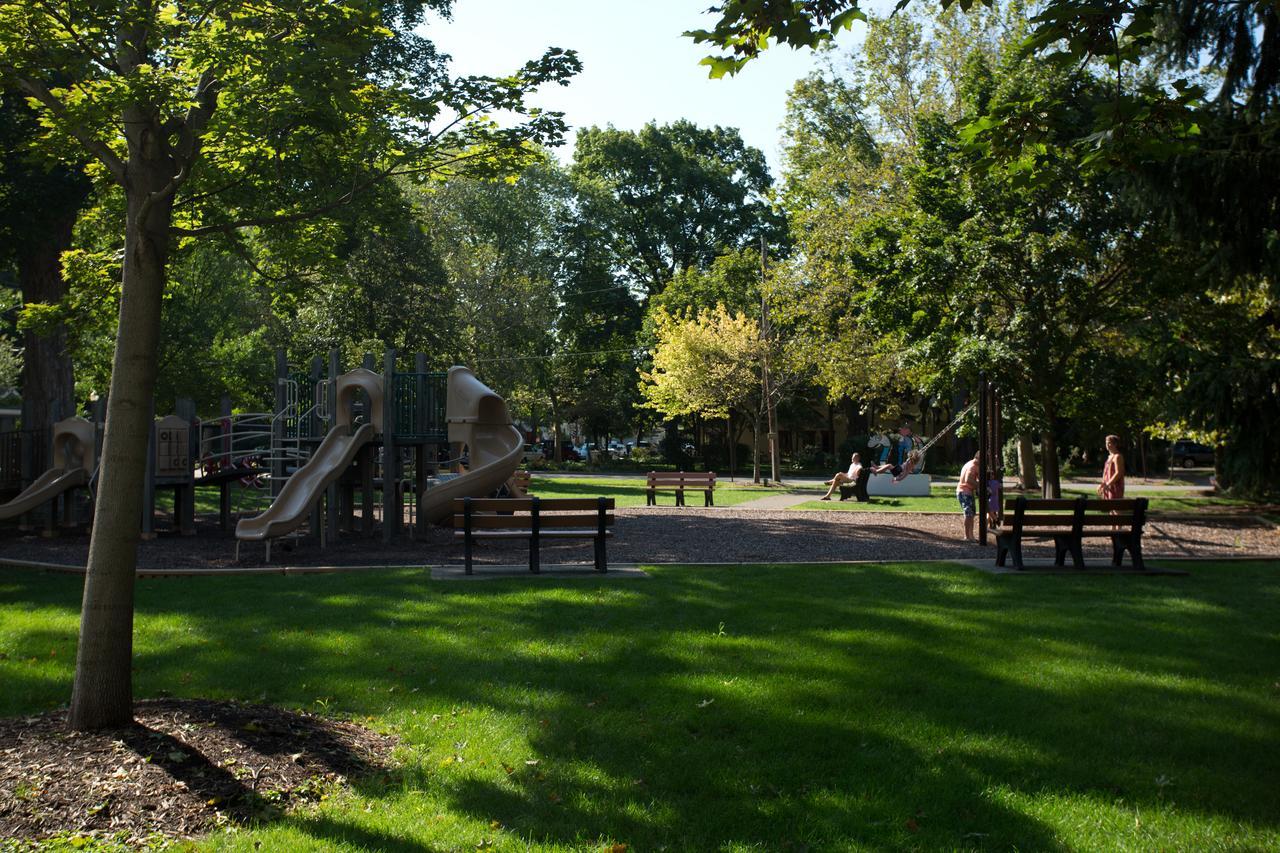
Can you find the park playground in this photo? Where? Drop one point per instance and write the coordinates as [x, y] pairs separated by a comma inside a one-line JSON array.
[[766, 658], [463, 426]]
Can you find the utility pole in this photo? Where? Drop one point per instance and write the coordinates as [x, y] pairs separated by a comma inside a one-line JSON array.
[[766, 335]]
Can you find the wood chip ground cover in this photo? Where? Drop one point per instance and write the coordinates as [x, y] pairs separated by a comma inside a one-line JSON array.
[[183, 768]]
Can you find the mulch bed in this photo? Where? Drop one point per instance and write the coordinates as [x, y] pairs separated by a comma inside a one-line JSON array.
[[664, 535], [183, 768]]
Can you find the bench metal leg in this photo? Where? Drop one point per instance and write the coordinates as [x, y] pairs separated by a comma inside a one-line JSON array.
[[534, 539], [710, 500], [601, 519], [1135, 553], [1065, 544], [1133, 544], [650, 499], [466, 534], [679, 497], [1009, 547]]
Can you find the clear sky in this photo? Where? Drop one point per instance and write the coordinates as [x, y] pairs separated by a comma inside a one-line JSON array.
[[636, 65]]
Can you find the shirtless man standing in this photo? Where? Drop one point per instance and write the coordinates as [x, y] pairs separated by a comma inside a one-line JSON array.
[[967, 491]]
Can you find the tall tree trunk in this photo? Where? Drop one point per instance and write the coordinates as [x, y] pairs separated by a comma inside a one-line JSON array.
[[48, 385], [103, 692], [1052, 487], [732, 438], [557, 453], [1027, 462], [755, 449]]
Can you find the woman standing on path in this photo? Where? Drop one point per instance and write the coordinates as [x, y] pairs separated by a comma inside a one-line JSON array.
[[1112, 486]]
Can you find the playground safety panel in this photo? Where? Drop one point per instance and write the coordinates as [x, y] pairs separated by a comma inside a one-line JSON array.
[[420, 407]]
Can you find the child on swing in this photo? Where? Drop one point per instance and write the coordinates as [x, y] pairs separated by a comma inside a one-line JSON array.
[[899, 472]]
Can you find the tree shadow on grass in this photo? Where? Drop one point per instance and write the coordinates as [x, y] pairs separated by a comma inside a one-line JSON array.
[[773, 706]]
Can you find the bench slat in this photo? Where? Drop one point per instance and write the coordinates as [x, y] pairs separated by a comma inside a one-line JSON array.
[[545, 505], [479, 522], [1037, 504], [1064, 520], [692, 476], [581, 533]]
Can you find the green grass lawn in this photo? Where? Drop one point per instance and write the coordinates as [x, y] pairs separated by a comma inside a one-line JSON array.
[[943, 499], [925, 707], [626, 492], [207, 498], [631, 492]]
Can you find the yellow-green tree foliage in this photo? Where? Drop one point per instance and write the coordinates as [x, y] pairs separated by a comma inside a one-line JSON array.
[[706, 363]]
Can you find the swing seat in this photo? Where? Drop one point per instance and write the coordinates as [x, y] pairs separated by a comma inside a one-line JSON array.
[[910, 486]]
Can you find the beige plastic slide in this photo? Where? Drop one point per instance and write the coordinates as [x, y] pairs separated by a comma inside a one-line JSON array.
[[73, 446], [335, 454], [478, 418]]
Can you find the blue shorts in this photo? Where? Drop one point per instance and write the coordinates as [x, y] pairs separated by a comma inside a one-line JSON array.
[[967, 503]]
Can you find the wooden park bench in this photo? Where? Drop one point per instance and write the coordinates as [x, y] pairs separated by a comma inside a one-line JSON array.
[[1067, 523], [858, 488], [704, 482], [534, 519]]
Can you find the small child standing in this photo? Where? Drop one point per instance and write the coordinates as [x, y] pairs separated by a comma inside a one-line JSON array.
[[995, 483]]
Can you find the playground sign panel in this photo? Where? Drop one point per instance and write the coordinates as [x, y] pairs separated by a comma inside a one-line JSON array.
[[173, 448]]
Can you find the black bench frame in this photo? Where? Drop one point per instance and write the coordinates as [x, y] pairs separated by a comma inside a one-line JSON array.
[[1070, 540], [858, 488], [534, 531]]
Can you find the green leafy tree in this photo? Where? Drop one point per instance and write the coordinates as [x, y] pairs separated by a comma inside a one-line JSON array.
[[1030, 270], [672, 197], [217, 117], [709, 364], [32, 240], [600, 318]]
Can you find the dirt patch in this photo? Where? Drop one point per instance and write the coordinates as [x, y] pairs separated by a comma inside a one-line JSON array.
[[183, 768]]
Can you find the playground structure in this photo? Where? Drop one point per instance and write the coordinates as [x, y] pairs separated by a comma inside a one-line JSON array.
[[74, 456], [329, 436], [475, 420]]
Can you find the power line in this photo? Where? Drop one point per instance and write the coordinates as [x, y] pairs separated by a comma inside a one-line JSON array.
[[557, 355]]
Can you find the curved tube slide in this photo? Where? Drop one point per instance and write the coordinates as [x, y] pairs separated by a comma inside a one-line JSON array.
[[478, 418]]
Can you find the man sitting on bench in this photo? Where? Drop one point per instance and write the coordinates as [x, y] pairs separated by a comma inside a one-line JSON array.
[[841, 477]]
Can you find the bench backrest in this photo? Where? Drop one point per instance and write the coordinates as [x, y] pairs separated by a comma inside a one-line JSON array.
[[692, 479], [525, 513], [1078, 514]]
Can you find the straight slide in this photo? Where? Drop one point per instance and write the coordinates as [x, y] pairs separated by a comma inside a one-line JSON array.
[[300, 493], [50, 484]]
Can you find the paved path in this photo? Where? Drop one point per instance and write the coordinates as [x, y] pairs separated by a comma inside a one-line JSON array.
[[776, 501]]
